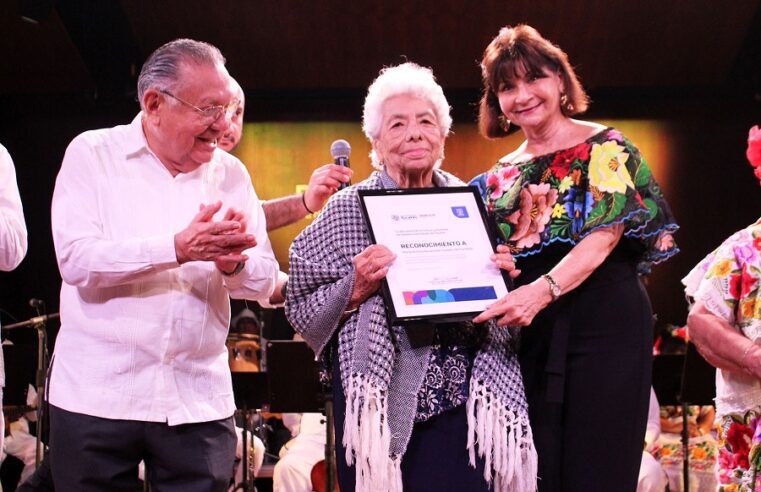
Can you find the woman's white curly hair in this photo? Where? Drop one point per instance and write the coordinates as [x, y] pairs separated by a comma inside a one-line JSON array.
[[407, 78]]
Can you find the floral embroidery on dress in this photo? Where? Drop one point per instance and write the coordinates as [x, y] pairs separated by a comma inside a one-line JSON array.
[[535, 210], [740, 452], [445, 384], [565, 195], [502, 180], [729, 280]]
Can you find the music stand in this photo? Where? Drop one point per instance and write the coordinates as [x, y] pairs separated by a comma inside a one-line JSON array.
[[295, 387], [20, 372], [43, 360], [667, 378], [250, 392], [294, 382], [698, 379], [250, 389]]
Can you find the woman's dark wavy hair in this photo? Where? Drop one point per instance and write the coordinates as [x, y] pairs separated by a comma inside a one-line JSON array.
[[523, 48]]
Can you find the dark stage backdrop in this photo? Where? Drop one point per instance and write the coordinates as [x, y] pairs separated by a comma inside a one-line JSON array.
[[694, 143]]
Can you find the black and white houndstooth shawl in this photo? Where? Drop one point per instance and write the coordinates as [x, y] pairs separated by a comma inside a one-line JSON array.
[[381, 374]]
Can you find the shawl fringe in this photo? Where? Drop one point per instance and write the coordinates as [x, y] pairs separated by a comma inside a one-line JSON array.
[[503, 439], [367, 437], [498, 435]]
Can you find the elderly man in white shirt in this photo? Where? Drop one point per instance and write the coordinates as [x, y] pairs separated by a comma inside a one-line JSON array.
[[12, 226], [12, 238], [154, 229]]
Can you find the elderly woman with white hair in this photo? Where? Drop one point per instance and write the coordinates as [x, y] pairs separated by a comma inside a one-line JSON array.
[[435, 407]]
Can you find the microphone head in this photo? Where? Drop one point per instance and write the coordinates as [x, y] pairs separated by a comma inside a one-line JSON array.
[[340, 148]]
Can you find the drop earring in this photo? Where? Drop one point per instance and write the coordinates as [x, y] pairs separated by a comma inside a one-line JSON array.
[[565, 103], [504, 123]]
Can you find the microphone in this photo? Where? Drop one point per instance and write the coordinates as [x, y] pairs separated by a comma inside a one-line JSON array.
[[36, 303], [340, 150], [31, 321]]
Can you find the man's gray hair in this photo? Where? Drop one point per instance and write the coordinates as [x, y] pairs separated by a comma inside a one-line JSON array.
[[161, 69]]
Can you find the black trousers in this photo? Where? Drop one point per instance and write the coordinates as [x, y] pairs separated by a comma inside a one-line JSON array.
[[592, 439], [96, 454]]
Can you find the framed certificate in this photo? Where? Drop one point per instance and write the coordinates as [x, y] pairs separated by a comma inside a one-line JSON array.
[[442, 242]]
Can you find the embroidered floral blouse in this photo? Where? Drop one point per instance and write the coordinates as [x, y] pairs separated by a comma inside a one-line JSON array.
[[565, 195], [728, 281]]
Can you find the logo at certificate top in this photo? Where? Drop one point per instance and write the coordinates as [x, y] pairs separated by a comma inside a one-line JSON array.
[[460, 212]]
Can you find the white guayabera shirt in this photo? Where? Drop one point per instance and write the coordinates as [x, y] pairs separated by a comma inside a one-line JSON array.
[[13, 240], [12, 227], [142, 337]]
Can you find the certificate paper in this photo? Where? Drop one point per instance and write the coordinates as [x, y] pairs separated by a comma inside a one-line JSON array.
[[442, 244]]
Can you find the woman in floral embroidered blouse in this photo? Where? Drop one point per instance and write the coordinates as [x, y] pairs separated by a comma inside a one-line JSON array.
[[725, 325], [580, 215]]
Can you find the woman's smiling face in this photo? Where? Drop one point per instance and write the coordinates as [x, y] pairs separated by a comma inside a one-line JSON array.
[[531, 98], [410, 140]]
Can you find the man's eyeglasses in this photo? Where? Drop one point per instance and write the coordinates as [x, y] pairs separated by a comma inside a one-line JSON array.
[[208, 114]]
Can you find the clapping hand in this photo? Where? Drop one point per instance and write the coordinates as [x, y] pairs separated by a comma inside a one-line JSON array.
[[221, 242]]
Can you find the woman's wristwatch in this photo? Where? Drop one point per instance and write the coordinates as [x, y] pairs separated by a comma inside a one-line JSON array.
[[554, 287]]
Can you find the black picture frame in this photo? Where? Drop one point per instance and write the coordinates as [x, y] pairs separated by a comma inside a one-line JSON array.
[[472, 193]]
